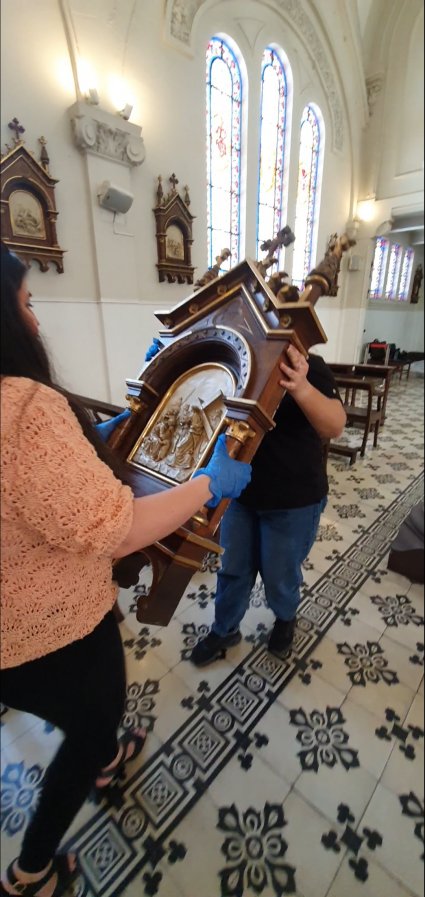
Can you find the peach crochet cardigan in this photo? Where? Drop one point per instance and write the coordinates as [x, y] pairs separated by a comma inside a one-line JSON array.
[[63, 515]]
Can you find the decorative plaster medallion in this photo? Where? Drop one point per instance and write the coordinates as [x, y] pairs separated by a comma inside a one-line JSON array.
[[301, 21], [182, 15]]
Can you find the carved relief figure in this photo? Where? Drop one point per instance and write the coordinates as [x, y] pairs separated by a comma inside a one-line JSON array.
[[174, 242], [186, 421], [26, 215], [193, 431], [160, 441]]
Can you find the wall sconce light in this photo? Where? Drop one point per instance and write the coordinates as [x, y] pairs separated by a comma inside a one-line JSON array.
[[366, 210], [126, 112]]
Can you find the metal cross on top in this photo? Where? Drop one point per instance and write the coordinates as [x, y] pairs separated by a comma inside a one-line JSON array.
[[17, 128], [173, 181]]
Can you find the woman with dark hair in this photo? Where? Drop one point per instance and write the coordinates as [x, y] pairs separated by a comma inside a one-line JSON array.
[[65, 517]]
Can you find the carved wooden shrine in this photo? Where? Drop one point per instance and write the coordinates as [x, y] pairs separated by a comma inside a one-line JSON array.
[[218, 372], [173, 234], [28, 208]]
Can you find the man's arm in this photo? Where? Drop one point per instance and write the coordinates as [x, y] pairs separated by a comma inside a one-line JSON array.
[[326, 415]]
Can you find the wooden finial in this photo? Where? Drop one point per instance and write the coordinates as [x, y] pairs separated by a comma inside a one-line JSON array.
[[44, 158]]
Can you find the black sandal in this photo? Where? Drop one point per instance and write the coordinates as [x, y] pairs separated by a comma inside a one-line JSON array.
[[129, 738], [59, 867]]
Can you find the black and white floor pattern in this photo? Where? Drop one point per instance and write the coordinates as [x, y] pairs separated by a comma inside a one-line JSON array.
[[263, 777]]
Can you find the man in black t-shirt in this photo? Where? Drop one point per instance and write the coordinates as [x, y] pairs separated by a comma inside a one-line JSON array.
[[271, 528]]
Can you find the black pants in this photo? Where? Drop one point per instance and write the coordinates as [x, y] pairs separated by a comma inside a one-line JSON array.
[[81, 690]]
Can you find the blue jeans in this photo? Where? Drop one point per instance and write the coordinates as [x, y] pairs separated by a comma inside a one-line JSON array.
[[272, 543]]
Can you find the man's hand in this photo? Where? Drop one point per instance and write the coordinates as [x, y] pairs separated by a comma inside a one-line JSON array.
[[295, 376], [154, 348]]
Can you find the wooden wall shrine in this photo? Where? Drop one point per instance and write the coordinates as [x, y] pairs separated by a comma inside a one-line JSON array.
[[218, 372]]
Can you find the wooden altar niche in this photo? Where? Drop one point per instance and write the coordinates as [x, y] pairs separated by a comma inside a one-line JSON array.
[[173, 234], [28, 208], [218, 372]]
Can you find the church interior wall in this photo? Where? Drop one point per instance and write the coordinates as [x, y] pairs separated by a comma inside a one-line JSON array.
[[98, 317]]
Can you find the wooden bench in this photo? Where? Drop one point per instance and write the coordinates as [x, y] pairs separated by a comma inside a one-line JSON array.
[[367, 416], [380, 376], [96, 408]]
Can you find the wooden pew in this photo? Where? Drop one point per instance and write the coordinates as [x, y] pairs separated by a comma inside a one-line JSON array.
[[96, 408], [380, 376], [374, 380]]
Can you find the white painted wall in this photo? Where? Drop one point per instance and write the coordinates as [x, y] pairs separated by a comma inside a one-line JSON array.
[[98, 316]]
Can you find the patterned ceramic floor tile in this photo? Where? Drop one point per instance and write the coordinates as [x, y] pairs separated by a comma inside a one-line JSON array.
[[406, 763], [315, 866], [400, 819], [263, 776], [377, 884], [325, 789], [376, 697], [399, 658], [317, 693], [15, 724]]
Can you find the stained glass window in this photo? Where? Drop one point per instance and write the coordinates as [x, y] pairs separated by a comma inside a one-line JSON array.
[[379, 265], [393, 271], [308, 193], [274, 94], [224, 119], [406, 274]]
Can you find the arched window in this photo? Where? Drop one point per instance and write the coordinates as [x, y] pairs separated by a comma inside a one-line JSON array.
[[393, 271], [273, 112], [406, 274], [312, 140], [224, 121], [379, 265]]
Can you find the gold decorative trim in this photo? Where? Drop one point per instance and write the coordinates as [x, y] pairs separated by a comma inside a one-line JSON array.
[[136, 405], [188, 562], [203, 521], [208, 544], [184, 562], [192, 317], [239, 430], [319, 280], [154, 417]]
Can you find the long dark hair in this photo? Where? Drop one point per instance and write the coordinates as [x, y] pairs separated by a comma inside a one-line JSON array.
[[23, 355]]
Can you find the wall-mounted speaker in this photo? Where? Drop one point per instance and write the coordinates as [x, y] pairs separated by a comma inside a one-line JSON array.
[[354, 263], [114, 198]]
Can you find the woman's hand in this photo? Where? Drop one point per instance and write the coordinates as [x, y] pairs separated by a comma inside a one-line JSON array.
[[228, 477], [295, 376], [107, 427]]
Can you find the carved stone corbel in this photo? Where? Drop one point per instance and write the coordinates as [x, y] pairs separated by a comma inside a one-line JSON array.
[[374, 85], [98, 132]]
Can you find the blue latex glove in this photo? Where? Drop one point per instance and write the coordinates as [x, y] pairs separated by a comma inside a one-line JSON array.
[[108, 426], [154, 348], [228, 477]]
